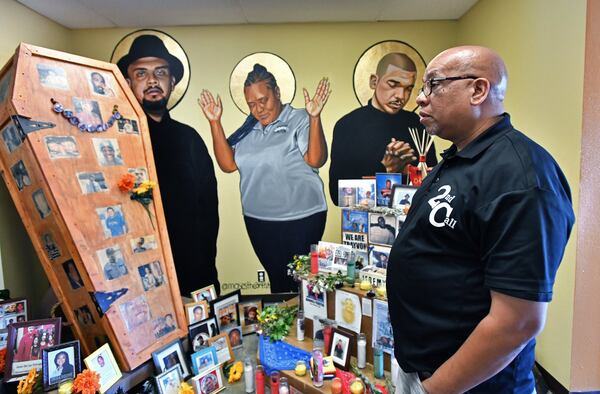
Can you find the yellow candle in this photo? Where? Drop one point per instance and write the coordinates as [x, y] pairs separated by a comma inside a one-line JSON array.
[[365, 285], [380, 291], [65, 387], [300, 368], [357, 387]]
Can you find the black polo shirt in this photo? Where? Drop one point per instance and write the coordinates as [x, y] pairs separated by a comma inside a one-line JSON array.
[[494, 216]]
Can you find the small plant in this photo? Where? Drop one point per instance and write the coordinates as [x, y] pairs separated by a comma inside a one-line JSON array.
[[275, 321]]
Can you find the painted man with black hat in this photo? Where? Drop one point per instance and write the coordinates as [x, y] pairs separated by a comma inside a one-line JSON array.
[[185, 169]]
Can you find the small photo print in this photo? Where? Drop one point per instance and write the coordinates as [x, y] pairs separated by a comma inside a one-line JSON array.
[[207, 293], [87, 111], [151, 275], [143, 244], [61, 147], [72, 274], [107, 151], [112, 262], [128, 126], [135, 312], [196, 311], [41, 204], [20, 174], [200, 333], [169, 381], [12, 311], [101, 84], [355, 221], [52, 250], [235, 337], [382, 229], [385, 186], [112, 220], [402, 198], [140, 173], [379, 256], [92, 182], [52, 76], [346, 195], [163, 325], [11, 137], [84, 316]]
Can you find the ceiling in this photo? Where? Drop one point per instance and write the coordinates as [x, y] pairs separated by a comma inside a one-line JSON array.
[[80, 14]]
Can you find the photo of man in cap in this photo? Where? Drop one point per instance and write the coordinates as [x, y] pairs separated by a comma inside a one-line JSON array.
[[185, 169]]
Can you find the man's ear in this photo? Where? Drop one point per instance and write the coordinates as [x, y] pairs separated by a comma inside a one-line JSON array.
[[128, 81], [172, 83], [481, 91], [373, 81]]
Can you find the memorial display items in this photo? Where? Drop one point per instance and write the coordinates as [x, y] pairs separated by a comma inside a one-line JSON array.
[[169, 356], [249, 310], [275, 321], [105, 252], [341, 343], [223, 347], [225, 310], [209, 383], [384, 186], [204, 359], [169, 381], [200, 332], [207, 294], [103, 362], [12, 311], [196, 311], [59, 363], [423, 141], [348, 311]]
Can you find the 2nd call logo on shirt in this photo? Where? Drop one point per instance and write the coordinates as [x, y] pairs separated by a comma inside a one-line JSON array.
[[441, 208]]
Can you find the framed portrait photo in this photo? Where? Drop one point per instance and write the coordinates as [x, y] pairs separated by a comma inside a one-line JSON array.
[[12, 311], [171, 356], [196, 311], [236, 339], [341, 343], [204, 359], [25, 343], [225, 310], [169, 381], [103, 361], [207, 293], [200, 332], [382, 229], [402, 198], [60, 362], [209, 383], [249, 311], [222, 347]]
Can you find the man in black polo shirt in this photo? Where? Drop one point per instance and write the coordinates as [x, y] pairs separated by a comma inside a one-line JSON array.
[[472, 269]]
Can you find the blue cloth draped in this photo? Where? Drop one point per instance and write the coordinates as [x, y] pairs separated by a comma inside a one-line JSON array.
[[280, 356]]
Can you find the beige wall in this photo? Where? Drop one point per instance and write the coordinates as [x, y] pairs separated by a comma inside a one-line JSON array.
[[20, 270], [543, 45]]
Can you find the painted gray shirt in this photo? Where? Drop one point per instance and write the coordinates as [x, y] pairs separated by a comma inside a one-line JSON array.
[[275, 181]]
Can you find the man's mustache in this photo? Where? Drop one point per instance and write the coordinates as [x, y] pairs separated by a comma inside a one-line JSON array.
[[154, 88]]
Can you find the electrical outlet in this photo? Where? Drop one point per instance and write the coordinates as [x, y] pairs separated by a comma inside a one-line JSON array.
[[262, 276]]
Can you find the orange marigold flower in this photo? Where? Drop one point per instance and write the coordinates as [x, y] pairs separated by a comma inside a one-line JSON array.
[[186, 389], [26, 384], [87, 382], [126, 183]]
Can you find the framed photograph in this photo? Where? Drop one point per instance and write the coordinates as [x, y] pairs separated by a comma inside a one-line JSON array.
[[60, 362], [199, 333], [3, 341], [379, 256], [25, 343], [402, 198], [72, 274], [355, 221], [61, 147], [249, 311], [11, 137], [112, 220], [140, 173], [135, 312], [20, 175], [103, 362], [107, 151], [112, 262], [236, 339], [151, 275], [222, 347], [143, 244], [382, 229], [169, 381], [384, 186], [196, 311], [52, 76], [341, 343], [356, 192], [128, 126], [163, 325], [204, 359], [171, 356], [12, 311], [225, 310], [41, 204], [382, 327], [52, 250], [207, 293], [209, 383], [101, 84], [92, 182]]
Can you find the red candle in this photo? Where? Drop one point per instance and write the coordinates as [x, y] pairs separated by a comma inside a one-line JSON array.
[[274, 382], [260, 380], [314, 259], [327, 331], [336, 386]]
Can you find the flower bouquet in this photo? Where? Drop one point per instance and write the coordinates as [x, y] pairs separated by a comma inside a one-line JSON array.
[[140, 192]]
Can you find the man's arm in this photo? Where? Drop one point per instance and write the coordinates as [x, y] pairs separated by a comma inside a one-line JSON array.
[[510, 324]]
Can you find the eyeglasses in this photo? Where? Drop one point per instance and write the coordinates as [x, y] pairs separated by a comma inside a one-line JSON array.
[[428, 86]]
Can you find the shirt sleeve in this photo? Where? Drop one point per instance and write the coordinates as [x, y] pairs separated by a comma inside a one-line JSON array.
[[523, 235], [302, 132]]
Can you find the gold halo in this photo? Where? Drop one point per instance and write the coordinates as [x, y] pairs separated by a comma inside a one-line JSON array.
[[274, 64], [367, 65], [174, 48]]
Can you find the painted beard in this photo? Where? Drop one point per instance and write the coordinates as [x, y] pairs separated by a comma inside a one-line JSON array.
[[155, 106]]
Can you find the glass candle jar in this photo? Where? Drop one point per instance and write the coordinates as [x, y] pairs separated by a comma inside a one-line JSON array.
[[361, 351], [300, 369]]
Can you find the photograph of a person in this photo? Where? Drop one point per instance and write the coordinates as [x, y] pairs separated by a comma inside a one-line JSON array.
[[52, 76], [235, 337], [143, 244], [84, 316], [170, 356], [107, 151], [41, 204], [204, 359], [52, 250], [59, 363], [200, 333], [151, 275], [383, 336], [355, 221], [12, 311], [196, 311], [207, 293], [92, 182], [163, 325], [169, 381], [20, 174], [384, 186], [103, 361], [72, 274], [341, 343], [379, 256], [87, 111], [128, 126], [382, 229], [210, 382], [250, 311], [402, 198], [113, 220], [112, 262], [101, 84], [135, 312], [222, 346], [225, 310], [140, 173], [11, 137], [61, 147]]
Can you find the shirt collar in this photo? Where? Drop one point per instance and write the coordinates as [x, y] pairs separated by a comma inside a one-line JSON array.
[[282, 118], [483, 141]]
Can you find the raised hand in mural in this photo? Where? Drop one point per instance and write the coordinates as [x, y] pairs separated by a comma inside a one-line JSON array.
[[213, 109], [315, 105]]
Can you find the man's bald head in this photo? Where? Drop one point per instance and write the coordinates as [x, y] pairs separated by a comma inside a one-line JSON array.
[[397, 59]]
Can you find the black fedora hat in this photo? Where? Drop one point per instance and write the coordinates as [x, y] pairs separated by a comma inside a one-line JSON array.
[[148, 45]]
